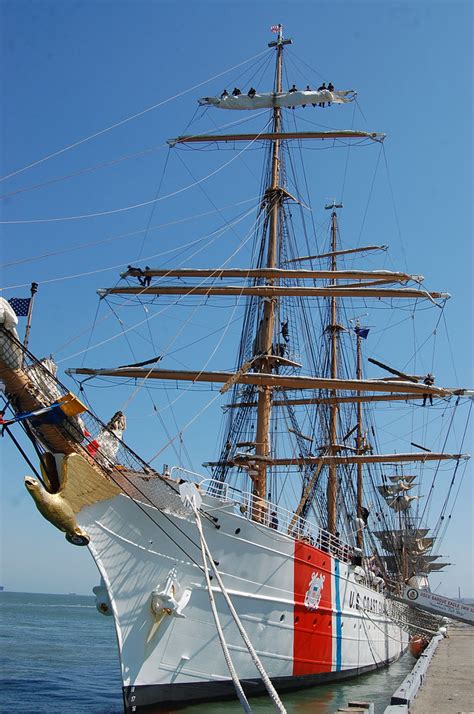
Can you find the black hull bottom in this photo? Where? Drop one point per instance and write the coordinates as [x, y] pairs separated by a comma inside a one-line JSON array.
[[148, 699]]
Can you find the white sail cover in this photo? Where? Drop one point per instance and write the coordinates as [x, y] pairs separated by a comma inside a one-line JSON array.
[[270, 100]]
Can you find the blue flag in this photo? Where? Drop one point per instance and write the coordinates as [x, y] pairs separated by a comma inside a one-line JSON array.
[[20, 306], [362, 331]]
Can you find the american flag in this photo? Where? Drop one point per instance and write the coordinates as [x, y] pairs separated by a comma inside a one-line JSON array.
[[275, 28], [20, 306]]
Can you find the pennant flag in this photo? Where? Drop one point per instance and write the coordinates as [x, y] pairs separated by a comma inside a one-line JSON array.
[[20, 306], [362, 331], [275, 28]]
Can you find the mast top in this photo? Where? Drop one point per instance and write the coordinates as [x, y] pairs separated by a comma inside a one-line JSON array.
[[278, 29], [333, 205]]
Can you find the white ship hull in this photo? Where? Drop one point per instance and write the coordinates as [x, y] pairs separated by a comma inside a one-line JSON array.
[[268, 576]]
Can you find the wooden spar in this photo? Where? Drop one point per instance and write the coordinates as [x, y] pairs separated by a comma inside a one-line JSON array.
[[265, 331], [276, 273], [334, 407], [403, 375], [360, 443], [281, 381], [274, 291], [338, 252], [371, 283], [277, 136], [330, 400], [347, 460]]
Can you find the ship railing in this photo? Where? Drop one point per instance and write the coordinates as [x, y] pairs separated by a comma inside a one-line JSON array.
[[272, 516], [275, 517]]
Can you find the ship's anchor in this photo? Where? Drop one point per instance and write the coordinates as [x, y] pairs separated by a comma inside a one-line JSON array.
[[164, 601]]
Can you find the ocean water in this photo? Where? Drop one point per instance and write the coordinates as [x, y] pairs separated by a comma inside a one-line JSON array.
[[58, 654]]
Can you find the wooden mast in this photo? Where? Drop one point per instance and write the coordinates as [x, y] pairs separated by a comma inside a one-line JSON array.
[[267, 325], [334, 407], [360, 443]]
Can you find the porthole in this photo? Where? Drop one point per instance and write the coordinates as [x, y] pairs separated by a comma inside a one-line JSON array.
[[282, 617], [297, 619], [237, 531], [309, 557]]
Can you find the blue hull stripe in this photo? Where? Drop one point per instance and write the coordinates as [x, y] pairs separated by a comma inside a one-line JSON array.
[[338, 617]]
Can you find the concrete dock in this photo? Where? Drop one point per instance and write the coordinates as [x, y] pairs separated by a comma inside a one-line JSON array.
[[448, 687]]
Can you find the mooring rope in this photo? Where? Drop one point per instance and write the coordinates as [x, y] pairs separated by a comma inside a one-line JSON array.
[[255, 658]]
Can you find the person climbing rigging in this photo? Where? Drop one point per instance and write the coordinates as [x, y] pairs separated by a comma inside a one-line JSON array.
[[135, 273], [330, 89], [321, 89], [428, 380], [292, 90], [285, 333], [306, 90], [252, 92], [145, 280], [224, 94], [236, 92]]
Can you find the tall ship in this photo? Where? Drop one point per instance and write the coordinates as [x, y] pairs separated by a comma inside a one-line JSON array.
[[284, 563]]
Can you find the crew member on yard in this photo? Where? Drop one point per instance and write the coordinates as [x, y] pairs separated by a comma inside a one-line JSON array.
[[330, 89], [428, 380], [320, 89]]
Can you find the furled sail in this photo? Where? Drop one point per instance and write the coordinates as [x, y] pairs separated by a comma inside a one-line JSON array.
[[269, 100], [394, 540], [400, 502], [387, 490], [430, 567], [407, 479], [421, 545]]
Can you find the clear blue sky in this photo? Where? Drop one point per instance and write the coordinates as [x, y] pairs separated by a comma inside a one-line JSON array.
[[71, 69]]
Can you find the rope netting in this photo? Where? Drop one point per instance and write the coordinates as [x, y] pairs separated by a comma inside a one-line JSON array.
[[31, 385]]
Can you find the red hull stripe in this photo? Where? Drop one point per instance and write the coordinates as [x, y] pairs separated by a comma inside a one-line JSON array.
[[312, 617]]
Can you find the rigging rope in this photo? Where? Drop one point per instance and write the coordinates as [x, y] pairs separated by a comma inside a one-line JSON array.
[[143, 203], [127, 119], [255, 658], [129, 234], [230, 665]]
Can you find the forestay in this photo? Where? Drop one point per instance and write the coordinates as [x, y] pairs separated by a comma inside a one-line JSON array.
[[270, 100]]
